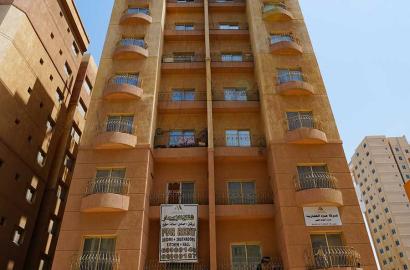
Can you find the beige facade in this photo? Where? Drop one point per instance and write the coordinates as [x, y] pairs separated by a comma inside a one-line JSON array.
[[381, 167], [218, 103], [44, 77]]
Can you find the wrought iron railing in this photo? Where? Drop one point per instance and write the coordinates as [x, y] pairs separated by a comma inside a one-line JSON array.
[[257, 197], [224, 26], [332, 257], [237, 95], [276, 38], [117, 185], [268, 7], [291, 76], [179, 197], [180, 141], [155, 265], [226, 1], [251, 264], [177, 97], [132, 42], [184, 27], [145, 11], [314, 180], [231, 57], [121, 126], [96, 261], [126, 79], [175, 58], [302, 121], [240, 141]]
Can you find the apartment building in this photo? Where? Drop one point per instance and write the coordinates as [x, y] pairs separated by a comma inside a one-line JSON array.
[[45, 89], [381, 168], [210, 144]]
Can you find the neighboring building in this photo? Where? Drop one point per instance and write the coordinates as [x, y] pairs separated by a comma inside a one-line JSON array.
[[221, 104], [45, 87], [381, 167]]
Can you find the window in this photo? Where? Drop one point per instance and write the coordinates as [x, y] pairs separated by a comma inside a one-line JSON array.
[[276, 38], [69, 162], [184, 27], [109, 181], [183, 95], [75, 134], [138, 10], [403, 166], [231, 57], [326, 240], [383, 199], [81, 108], [18, 236], [120, 123], [397, 243], [241, 193], [181, 192], [378, 240], [31, 190], [67, 69], [298, 120], [377, 216], [182, 138], [241, 138], [245, 255], [41, 158], [381, 251], [88, 87], [386, 210], [289, 75], [400, 158], [401, 254], [228, 26], [50, 124], [182, 57], [235, 94], [61, 194], [74, 49], [384, 237], [59, 96], [397, 149], [98, 253], [393, 231]]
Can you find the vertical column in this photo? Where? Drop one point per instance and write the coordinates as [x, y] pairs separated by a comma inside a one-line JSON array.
[[211, 167]]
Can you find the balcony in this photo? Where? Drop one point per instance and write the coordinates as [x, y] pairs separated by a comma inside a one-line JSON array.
[[294, 83], [121, 87], [181, 148], [96, 260], [177, 197], [239, 100], [227, 5], [333, 258], [185, 5], [130, 49], [232, 62], [317, 189], [175, 63], [155, 265], [237, 147], [135, 16], [170, 102], [276, 12], [116, 135], [285, 44], [303, 129], [225, 31], [273, 264], [176, 32], [106, 194]]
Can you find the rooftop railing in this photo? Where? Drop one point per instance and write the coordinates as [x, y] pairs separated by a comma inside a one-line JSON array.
[[96, 260], [257, 197], [175, 58], [332, 257], [314, 180], [178, 197], [132, 42], [116, 185]]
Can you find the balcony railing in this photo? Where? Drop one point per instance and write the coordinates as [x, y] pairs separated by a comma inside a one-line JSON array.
[[181, 141], [177, 97], [291, 76], [252, 264], [237, 95], [185, 1], [315, 180], [276, 38], [302, 121], [220, 57], [145, 11], [118, 126], [329, 257], [226, 1], [240, 141], [155, 265], [132, 42], [185, 27], [225, 26], [268, 7], [257, 197], [126, 79], [172, 58], [178, 197], [115, 185], [96, 260]]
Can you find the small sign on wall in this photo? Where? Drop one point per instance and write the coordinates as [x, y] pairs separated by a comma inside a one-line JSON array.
[[322, 216]]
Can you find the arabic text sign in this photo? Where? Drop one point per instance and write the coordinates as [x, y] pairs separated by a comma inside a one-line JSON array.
[[322, 216], [179, 233]]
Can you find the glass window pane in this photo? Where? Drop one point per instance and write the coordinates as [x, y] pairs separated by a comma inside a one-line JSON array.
[[235, 193], [177, 95], [187, 192], [244, 138], [189, 95], [91, 245], [238, 254], [229, 93], [318, 241], [248, 193], [334, 240], [253, 254]]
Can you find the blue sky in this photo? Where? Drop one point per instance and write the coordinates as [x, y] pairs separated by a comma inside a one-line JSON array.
[[363, 51]]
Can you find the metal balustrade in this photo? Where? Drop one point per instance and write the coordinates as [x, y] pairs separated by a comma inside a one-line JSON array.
[[180, 97], [257, 197], [145, 11], [224, 26], [251, 264], [133, 42], [332, 257], [179, 197], [126, 79], [184, 27], [121, 126], [302, 121], [175, 58], [155, 265], [115, 185], [232, 57], [276, 38], [291, 76], [181, 141], [268, 7], [226, 1], [235, 95], [96, 261], [315, 180], [240, 141]]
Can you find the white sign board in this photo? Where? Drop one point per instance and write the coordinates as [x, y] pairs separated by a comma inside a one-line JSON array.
[[322, 216], [178, 233]]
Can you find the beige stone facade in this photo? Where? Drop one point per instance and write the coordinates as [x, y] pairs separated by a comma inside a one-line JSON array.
[[218, 103], [381, 167], [44, 77]]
